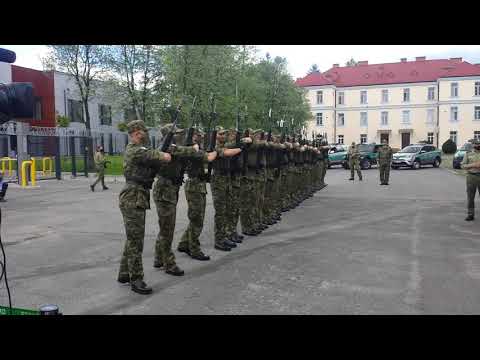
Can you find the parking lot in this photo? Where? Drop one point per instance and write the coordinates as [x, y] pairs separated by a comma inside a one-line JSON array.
[[354, 248]]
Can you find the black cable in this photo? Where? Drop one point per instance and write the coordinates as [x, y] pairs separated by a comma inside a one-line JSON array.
[[3, 265]]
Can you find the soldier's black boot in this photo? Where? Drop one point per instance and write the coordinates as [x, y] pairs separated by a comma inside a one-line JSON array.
[[183, 249], [175, 270], [229, 243], [222, 247], [105, 188], [469, 218], [236, 238], [140, 287], [157, 264], [200, 256], [123, 279], [92, 188], [250, 233], [350, 178], [239, 236]]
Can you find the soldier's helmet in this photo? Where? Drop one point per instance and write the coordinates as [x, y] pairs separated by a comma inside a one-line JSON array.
[[136, 125]]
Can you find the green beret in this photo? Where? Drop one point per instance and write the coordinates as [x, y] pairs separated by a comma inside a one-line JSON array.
[[136, 125]]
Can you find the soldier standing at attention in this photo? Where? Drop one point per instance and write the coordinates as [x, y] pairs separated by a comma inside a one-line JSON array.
[[471, 163], [196, 195], [135, 200], [354, 161], [100, 165], [384, 159]]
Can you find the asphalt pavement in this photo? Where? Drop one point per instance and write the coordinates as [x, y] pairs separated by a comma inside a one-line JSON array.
[[354, 248]]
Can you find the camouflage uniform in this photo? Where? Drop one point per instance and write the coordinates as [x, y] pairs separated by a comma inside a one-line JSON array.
[[100, 164], [384, 159], [134, 200], [473, 179], [354, 161], [233, 201]]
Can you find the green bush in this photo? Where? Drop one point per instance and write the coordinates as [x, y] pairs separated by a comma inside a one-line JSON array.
[[122, 126], [63, 121], [449, 147]]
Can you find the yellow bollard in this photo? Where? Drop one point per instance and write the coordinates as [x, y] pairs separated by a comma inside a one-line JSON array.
[[33, 172], [44, 167], [10, 161], [24, 173]]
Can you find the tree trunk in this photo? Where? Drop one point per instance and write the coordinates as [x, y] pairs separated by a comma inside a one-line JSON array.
[[91, 163]]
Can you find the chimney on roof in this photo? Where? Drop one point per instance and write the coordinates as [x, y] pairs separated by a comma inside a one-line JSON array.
[[458, 59], [336, 65], [403, 59], [420, 58], [362, 63]]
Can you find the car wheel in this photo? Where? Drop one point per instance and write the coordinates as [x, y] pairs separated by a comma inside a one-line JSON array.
[[436, 163], [416, 165]]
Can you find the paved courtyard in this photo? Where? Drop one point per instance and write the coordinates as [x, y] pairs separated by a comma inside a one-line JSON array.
[[354, 248]]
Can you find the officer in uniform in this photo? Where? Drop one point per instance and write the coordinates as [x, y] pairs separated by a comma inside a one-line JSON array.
[[471, 163], [135, 200], [354, 161], [384, 160], [100, 165], [196, 196]]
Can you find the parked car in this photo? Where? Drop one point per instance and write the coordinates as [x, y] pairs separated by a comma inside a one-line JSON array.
[[458, 157], [368, 155], [337, 154], [416, 155]]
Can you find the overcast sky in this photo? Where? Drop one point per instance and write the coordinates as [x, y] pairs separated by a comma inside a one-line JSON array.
[[301, 57]]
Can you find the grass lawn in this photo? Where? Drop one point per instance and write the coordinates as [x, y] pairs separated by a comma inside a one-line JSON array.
[[114, 168]]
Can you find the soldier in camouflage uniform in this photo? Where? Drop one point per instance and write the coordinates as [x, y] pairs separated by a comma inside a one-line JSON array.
[[324, 166], [134, 200], [354, 161], [196, 196], [384, 160], [260, 180], [165, 195], [471, 163], [100, 165]]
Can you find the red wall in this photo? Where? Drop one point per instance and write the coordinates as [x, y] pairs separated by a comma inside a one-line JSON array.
[[43, 86]]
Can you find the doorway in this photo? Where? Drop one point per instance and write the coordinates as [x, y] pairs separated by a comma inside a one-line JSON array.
[[383, 136], [405, 139]]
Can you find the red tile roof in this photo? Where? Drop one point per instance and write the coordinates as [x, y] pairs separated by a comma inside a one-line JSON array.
[[392, 73]]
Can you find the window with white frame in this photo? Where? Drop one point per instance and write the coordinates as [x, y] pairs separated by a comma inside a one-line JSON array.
[[75, 110], [431, 93], [363, 138], [406, 116], [363, 118], [430, 137], [453, 136], [363, 97], [454, 113], [319, 97], [477, 88], [340, 139], [341, 119], [430, 115], [385, 96], [406, 95], [477, 113], [476, 135], [454, 89], [341, 98], [319, 119], [105, 114], [384, 117]]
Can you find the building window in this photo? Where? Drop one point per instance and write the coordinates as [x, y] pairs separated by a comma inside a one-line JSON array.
[[385, 96], [406, 116], [363, 119], [319, 97], [341, 119], [430, 137], [105, 114], [37, 113], [430, 116], [454, 89], [453, 136], [75, 110], [431, 93], [363, 138], [319, 119], [341, 98], [363, 97], [340, 139], [406, 95], [476, 135], [477, 112], [454, 113], [384, 118], [477, 89]]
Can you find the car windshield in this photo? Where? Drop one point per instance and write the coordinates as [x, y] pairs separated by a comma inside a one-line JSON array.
[[364, 147], [466, 147], [410, 149]]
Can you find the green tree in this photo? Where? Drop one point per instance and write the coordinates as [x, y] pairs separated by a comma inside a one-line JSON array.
[[351, 62], [313, 68]]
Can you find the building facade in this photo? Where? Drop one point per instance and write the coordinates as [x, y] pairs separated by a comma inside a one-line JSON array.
[[404, 102]]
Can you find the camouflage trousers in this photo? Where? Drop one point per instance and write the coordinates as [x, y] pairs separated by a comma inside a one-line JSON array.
[[247, 202], [196, 196], [233, 206], [165, 195], [100, 176], [268, 195], [355, 165], [131, 261], [277, 192], [323, 170], [291, 175], [384, 169], [261, 180], [473, 185], [284, 193], [220, 185]]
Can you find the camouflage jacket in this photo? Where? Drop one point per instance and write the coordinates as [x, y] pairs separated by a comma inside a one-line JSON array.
[[469, 158], [385, 154], [353, 153], [99, 159]]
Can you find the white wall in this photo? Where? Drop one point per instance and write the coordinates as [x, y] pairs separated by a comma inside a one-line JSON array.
[[5, 73]]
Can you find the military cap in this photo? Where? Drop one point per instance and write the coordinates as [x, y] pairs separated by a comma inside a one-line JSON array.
[[220, 129], [199, 132], [232, 129], [165, 129], [257, 131], [136, 125]]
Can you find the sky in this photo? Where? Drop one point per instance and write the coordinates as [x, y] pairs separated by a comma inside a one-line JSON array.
[[301, 57]]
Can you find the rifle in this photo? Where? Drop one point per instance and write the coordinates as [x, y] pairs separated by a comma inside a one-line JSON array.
[[191, 129], [245, 152], [169, 137], [213, 135], [235, 161]]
